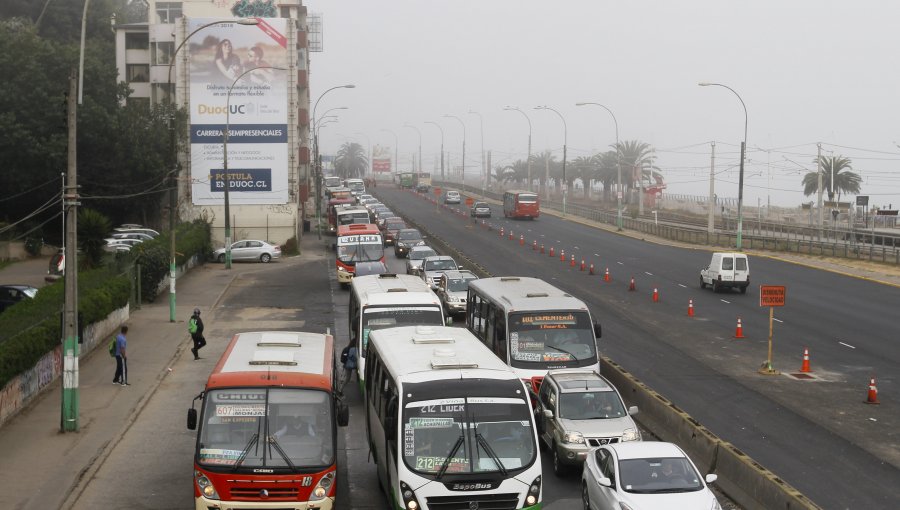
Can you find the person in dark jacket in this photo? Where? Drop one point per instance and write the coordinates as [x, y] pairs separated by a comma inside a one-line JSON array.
[[195, 328]]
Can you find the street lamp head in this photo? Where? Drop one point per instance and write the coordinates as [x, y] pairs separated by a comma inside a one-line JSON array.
[[540, 107], [350, 86], [580, 104], [248, 21], [705, 84]]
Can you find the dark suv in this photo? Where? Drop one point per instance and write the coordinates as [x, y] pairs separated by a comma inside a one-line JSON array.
[[406, 239]]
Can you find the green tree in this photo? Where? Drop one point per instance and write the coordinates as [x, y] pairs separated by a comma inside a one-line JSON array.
[[845, 181], [584, 168], [93, 227], [351, 161], [638, 160]]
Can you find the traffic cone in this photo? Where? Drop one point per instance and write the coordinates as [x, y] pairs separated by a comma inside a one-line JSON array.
[[631, 285], [501, 231], [690, 307], [805, 366], [522, 240], [606, 275], [739, 331], [581, 268], [872, 398], [552, 252], [542, 249], [534, 245], [655, 295], [572, 263], [562, 255], [511, 235], [591, 269]]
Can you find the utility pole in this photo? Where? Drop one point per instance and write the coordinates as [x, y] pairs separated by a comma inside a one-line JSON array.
[[711, 221], [819, 171], [69, 411]]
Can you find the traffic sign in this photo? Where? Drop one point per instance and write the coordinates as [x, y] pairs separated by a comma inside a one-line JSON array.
[[772, 295]]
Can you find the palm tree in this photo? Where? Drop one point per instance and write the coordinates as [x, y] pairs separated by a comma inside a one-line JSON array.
[[638, 163], [93, 227], [585, 168], [607, 171], [351, 161], [845, 181], [539, 164]]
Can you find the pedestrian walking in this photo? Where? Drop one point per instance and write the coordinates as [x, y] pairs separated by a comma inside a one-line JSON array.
[[349, 363], [195, 328], [121, 376]]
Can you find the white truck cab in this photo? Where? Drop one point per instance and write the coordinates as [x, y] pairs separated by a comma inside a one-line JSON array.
[[726, 270]]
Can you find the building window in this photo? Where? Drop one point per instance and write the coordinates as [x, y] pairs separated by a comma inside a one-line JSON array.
[[137, 40], [162, 53], [137, 73], [168, 12], [285, 12]]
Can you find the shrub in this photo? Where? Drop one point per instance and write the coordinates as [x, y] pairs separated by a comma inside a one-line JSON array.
[[290, 247], [190, 239]]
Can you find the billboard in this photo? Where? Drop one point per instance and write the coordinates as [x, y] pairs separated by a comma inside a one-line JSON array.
[[381, 159], [228, 57]]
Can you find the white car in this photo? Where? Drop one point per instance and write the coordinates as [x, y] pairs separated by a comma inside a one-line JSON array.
[[644, 475], [452, 197], [250, 250], [434, 266], [416, 255]]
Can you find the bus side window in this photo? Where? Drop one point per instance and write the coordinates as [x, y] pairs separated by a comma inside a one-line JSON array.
[[500, 334], [488, 336], [354, 312]]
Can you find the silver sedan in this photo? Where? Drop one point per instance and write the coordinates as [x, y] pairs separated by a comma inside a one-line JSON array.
[[250, 250]]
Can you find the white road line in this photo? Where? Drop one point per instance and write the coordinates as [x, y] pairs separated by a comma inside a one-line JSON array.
[[726, 302], [575, 248], [648, 273], [620, 263], [596, 254], [847, 345], [682, 286], [542, 235], [777, 320]]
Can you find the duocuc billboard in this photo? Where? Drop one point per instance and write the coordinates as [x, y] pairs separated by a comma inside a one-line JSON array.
[[239, 58]]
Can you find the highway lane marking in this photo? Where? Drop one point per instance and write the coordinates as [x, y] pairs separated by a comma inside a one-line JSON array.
[[846, 345], [682, 285], [576, 247], [620, 263], [777, 320], [542, 235], [726, 302], [596, 254], [648, 273]]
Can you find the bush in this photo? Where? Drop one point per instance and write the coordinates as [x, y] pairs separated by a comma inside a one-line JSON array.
[[290, 247], [190, 239]]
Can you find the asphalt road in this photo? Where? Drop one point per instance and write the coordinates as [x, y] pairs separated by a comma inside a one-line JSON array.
[[816, 434]]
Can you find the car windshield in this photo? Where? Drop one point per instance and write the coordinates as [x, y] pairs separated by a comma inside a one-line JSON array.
[[279, 428], [590, 405], [410, 235], [659, 475], [421, 254], [457, 285], [551, 338], [479, 435], [30, 291], [439, 265], [394, 223]]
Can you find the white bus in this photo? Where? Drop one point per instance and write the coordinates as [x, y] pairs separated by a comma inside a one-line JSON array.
[[449, 425], [532, 325], [386, 301]]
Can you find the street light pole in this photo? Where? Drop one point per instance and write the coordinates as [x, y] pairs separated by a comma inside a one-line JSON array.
[[463, 124], [618, 165], [513, 108], [318, 163], [483, 168], [565, 142], [442, 145], [225, 160], [740, 224], [420, 144]]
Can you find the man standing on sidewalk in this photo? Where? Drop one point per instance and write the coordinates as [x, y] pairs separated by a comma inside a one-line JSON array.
[[121, 376], [195, 328]]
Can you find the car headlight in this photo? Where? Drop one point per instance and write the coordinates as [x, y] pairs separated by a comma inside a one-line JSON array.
[[715, 504], [631, 435], [323, 487], [453, 299], [409, 497], [534, 492], [205, 486], [573, 437]]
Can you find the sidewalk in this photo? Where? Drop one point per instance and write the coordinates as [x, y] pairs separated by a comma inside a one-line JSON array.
[[44, 466]]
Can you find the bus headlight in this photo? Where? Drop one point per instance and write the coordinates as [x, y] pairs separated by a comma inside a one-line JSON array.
[[573, 437], [534, 492], [324, 486], [409, 497], [205, 486]]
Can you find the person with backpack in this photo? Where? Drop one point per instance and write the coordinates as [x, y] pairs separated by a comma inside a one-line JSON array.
[[195, 328], [348, 361], [119, 352]]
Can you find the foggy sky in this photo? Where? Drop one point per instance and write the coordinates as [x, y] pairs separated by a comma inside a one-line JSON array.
[[808, 71]]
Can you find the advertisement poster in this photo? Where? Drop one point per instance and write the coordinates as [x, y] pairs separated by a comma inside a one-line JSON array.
[[241, 59], [381, 159]]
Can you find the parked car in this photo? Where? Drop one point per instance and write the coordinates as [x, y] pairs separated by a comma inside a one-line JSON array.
[[452, 289], [452, 197], [407, 238], [135, 229], [131, 235], [250, 250], [415, 256], [480, 210], [120, 245], [726, 270], [644, 474], [433, 266], [12, 294], [576, 411]]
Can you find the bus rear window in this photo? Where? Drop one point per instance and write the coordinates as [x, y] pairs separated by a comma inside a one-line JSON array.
[[525, 198]]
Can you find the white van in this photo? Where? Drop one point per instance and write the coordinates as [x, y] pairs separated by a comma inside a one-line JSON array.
[[726, 270]]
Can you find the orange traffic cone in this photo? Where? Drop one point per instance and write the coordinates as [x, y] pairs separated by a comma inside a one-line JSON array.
[[690, 307], [562, 255], [631, 285], [542, 248], [655, 295], [582, 265], [501, 231], [521, 240], [510, 235], [872, 398], [739, 331], [591, 269], [606, 275], [534, 245], [572, 263], [552, 252], [805, 366]]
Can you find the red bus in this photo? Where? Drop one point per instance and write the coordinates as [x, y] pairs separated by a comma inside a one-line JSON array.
[[333, 204], [356, 243], [267, 430], [521, 204]]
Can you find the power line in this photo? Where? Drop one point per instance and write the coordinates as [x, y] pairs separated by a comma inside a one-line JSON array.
[[39, 186]]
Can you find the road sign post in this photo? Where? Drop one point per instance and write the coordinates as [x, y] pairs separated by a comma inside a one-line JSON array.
[[771, 296]]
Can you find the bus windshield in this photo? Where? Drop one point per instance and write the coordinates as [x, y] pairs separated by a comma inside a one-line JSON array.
[[361, 252], [379, 317], [557, 338], [478, 434], [280, 428]]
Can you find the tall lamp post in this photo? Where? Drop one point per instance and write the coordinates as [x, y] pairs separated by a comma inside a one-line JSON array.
[[442, 145], [463, 124], [513, 108], [318, 170], [396, 147], [173, 191], [740, 224], [565, 141], [225, 159], [410, 126], [618, 165], [483, 167]]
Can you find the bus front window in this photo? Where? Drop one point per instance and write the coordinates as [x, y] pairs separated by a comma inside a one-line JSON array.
[[551, 339], [393, 317]]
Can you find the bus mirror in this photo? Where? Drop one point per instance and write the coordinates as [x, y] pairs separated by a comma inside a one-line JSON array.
[[343, 413], [192, 419], [597, 330]]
